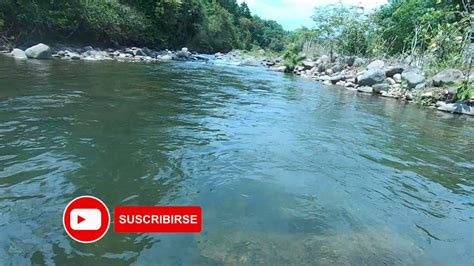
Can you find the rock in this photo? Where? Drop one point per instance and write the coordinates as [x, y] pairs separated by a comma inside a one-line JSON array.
[[448, 76], [279, 69], [336, 79], [451, 91], [321, 68], [378, 88], [166, 57], [329, 71], [18, 54], [409, 96], [377, 64], [270, 63], [74, 56], [138, 52], [39, 51], [88, 48], [337, 68], [397, 78], [323, 60], [457, 108], [340, 83], [358, 62], [371, 77], [420, 86], [308, 64], [413, 77], [392, 70], [426, 95], [390, 81], [184, 53], [365, 89]]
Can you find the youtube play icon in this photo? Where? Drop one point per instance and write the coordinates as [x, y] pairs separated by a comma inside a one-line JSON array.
[[86, 219]]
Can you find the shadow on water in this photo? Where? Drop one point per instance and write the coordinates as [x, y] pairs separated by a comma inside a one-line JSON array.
[[287, 171]]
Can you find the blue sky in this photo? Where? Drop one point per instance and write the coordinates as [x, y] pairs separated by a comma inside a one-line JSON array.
[[292, 14]]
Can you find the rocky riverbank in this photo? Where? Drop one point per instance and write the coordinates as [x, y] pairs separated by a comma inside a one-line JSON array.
[[398, 80]]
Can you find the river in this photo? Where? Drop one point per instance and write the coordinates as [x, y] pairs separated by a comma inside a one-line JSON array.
[[287, 171]]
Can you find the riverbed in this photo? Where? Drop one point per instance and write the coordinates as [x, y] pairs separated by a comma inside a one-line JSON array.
[[286, 170]]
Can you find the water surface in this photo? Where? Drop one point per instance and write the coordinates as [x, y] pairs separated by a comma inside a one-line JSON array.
[[287, 171]]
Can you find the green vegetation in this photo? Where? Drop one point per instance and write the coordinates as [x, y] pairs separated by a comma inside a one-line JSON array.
[[434, 30], [203, 25]]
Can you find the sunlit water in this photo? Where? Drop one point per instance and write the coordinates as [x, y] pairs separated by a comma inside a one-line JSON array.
[[287, 171]]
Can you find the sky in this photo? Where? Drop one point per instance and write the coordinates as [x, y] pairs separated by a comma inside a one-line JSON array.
[[292, 14]]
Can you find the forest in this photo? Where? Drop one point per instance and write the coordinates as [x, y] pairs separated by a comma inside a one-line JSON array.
[[434, 30]]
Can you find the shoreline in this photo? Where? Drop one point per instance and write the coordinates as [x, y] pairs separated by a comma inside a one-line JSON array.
[[399, 80]]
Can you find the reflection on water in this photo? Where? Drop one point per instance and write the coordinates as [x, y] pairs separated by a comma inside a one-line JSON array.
[[286, 171]]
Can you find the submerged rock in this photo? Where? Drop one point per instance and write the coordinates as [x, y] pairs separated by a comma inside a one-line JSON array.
[[39, 51], [457, 108]]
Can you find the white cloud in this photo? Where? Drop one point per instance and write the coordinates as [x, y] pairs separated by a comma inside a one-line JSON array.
[[295, 13]]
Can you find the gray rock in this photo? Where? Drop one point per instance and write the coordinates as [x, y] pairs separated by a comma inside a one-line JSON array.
[[457, 108], [138, 52], [337, 68], [39, 51], [371, 77], [392, 70], [358, 62], [450, 91], [390, 81], [323, 60], [377, 64], [88, 48], [378, 88], [166, 57], [279, 69], [308, 64], [397, 78], [321, 68], [18, 54], [329, 71], [448, 76], [337, 78], [425, 95], [365, 89], [413, 77], [420, 86]]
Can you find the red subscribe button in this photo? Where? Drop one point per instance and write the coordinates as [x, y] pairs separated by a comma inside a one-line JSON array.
[[157, 219]]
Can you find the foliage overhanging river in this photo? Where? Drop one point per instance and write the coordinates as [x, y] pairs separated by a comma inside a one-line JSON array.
[[287, 171]]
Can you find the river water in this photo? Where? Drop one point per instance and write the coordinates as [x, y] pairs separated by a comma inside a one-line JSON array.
[[287, 171]]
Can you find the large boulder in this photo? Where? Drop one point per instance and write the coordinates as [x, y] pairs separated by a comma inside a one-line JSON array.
[[39, 51], [18, 54], [392, 70], [377, 64], [413, 77], [372, 77], [308, 64], [447, 77]]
